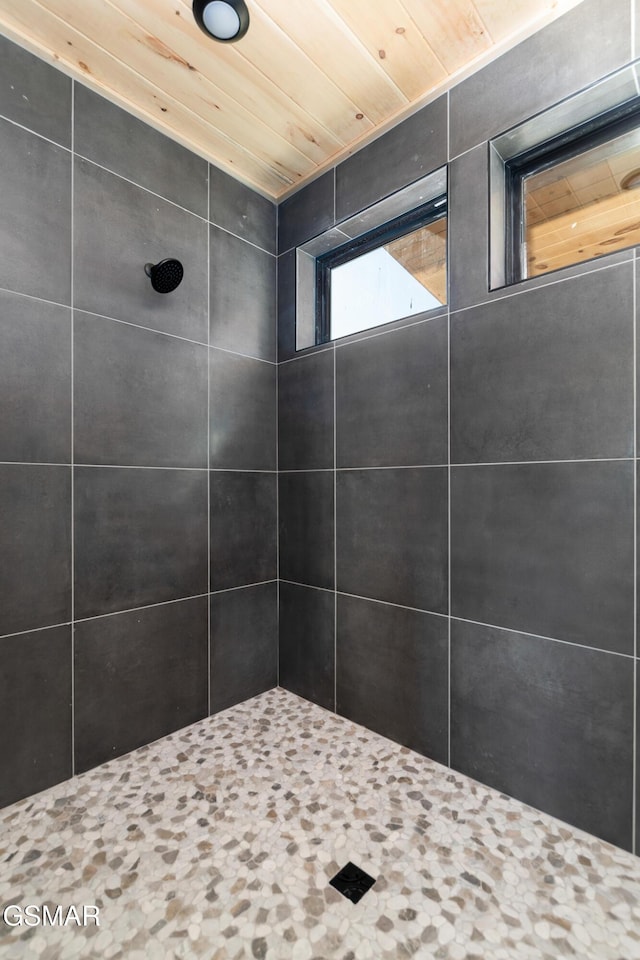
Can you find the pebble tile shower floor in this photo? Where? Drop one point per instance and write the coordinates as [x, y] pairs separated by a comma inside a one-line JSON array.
[[219, 842]]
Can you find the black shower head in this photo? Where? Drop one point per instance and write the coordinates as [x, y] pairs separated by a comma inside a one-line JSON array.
[[166, 275]]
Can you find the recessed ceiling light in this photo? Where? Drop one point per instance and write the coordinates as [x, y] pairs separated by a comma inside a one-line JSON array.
[[224, 20], [631, 181]]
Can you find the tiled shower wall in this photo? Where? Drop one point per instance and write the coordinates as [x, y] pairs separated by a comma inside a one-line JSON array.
[[137, 433], [457, 494]]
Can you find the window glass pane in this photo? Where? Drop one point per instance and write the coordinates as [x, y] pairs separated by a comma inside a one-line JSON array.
[[406, 276], [583, 207]]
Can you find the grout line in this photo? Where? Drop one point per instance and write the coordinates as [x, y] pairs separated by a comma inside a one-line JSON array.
[[634, 825], [208, 442], [135, 466], [243, 586], [311, 586], [522, 463], [412, 466], [303, 354], [49, 626], [527, 287], [41, 136], [72, 373], [389, 603], [539, 636], [243, 239], [30, 296], [277, 460], [335, 534], [146, 606], [448, 528]]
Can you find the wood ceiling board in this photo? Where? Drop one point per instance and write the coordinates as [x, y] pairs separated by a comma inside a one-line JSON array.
[[223, 65], [276, 56], [292, 98], [126, 40], [390, 35], [453, 28], [326, 39], [499, 17], [81, 58]]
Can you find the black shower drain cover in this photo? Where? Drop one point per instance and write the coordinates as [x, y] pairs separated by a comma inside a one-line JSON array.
[[352, 882]]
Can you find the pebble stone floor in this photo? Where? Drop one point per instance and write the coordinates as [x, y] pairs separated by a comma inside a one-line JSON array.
[[218, 842]]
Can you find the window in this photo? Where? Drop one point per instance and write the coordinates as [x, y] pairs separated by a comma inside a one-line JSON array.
[[384, 263], [576, 197], [395, 271]]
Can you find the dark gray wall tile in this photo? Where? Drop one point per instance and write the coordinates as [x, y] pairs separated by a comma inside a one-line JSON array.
[[243, 297], [140, 537], [547, 374], [243, 528], [307, 619], [547, 549], [35, 711], [637, 728], [119, 141], [35, 228], [392, 398], [468, 227], [35, 532], [140, 397], [34, 94], [305, 413], [306, 528], [35, 380], [392, 673], [409, 151], [392, 536], [138, 676], [547, 723], [242, 211], [578, 48], [244, 644], [287, 306], [118, 228], [306, 213], [243, 412]]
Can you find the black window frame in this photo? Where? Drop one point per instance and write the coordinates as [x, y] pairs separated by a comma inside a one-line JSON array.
[[564, 146], [434, 209]]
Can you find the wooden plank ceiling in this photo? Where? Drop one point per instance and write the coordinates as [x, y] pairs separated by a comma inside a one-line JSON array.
[[310, 81]]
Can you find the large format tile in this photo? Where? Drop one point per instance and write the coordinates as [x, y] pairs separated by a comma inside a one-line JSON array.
[[307, 643], [118, 228], [392, 536], [140, 397], [119, 141], [286, 289], [468, 229], [35, 228], [546, 375], [244, 644], [392, 398], [407, 152], [546, 722], [305, 413], [242, 297], [242, 421], [577, 49], [34, 94], [35, 380], [307, 213], [243, 528], [392, 673], [306, 528], [546, 549], [137, 677], [240, 210], [140, 537], [35, 711], [35, 533]]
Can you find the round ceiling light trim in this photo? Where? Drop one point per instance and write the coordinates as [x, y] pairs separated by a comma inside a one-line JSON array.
[[222, 20]]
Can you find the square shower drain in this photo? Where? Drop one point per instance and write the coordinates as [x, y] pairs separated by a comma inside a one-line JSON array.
[[352, 882]]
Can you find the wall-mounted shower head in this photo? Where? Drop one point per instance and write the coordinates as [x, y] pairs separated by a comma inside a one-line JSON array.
[[166, 275]]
